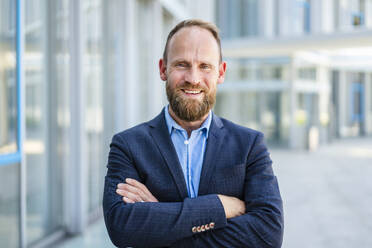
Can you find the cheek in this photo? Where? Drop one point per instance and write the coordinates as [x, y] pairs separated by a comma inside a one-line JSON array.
[[175, 78], [211, 82]]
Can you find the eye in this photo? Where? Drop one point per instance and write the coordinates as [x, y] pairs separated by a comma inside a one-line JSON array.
[[205, 66], [181, 64]]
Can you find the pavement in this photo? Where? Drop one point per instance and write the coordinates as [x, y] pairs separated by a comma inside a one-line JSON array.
[[327, 197]]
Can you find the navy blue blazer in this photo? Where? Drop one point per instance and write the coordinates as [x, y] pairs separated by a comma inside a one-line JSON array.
[[236, 163]]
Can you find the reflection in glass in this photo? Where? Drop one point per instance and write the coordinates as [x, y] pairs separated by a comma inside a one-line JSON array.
[[8, 89], [9, 206]]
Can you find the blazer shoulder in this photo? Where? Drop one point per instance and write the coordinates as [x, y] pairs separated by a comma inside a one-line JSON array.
[[142, 131], [133, 132]]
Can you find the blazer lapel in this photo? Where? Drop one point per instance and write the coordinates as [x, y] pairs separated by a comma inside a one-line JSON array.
[[159, 132], [214, 146]]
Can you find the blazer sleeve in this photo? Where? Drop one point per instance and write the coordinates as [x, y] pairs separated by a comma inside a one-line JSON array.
[[151, 224], [262, 225]]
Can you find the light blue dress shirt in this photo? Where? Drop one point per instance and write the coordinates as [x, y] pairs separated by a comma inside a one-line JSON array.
[[190, 150]]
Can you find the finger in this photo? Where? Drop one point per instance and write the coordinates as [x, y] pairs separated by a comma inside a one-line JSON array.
[[120, 186], [129, 195], [134, 190], [148, 194], [137, 184], [120, 192], [127, 200]]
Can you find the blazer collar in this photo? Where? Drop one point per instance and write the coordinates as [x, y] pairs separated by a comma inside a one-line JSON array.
[[214, 147], [160, 134]]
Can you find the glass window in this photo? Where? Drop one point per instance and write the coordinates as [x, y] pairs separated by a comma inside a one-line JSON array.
[[250, 70], [307, 73], [46, 72], [263, 111], [9, 205], [36, 117], [306, 16], [8, 89], [358, 15], [237, 18]]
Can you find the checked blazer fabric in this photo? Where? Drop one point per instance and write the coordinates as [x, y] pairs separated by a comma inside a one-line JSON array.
[[236, 163]]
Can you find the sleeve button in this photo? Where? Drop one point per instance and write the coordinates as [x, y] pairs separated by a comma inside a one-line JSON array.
[[211, 225], [193, 229]]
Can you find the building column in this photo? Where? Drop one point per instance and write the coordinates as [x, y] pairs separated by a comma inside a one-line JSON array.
[[368, 104], [368, 14], [344, 15], [128, 65], [327, 20], [156, 92], [205, 9], [76, 199], [266, 9], [342, 105], [323, 118], [293, 133], [3, 108]]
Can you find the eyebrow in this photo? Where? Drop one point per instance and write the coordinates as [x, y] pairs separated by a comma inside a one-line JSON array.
[[180, 61], [185, 61]]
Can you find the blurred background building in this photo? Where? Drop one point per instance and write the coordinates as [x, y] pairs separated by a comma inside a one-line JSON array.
[[73, 73]]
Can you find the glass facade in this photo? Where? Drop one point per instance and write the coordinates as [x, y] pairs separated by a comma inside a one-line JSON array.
[[250, 70], [115, 46], [8, 90], [9, 172], [46, 115], [255, 95], [264, 111], [9, 206], [237, 18]]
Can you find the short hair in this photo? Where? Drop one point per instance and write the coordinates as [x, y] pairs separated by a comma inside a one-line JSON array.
[[191, 23]]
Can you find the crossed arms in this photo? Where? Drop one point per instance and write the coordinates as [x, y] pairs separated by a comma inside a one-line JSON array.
[[134, 217]]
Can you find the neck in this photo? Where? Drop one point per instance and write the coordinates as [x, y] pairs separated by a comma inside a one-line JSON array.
[[189, 126]]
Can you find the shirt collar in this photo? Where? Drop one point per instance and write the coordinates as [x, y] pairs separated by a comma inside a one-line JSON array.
[[172, 124]]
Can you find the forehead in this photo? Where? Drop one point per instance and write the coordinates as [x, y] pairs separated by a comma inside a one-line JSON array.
[[193, 42]]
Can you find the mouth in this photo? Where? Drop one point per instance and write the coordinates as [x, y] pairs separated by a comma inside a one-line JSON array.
[[194, 92]]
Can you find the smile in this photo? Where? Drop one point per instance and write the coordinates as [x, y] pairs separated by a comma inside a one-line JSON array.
[[193, 92]]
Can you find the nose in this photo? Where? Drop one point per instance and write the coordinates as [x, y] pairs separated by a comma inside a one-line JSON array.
[[192, 76]]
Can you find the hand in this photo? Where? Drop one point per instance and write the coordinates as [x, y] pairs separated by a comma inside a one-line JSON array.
[[134, 191], [233, 206]]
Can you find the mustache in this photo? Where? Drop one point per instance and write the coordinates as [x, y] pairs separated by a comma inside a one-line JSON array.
[[189, 86]]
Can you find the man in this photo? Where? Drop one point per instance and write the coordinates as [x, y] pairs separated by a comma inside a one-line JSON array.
[[189, 178]]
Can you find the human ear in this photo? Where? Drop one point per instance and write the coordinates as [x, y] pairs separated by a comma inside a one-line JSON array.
[[221, 72], [163, 70]]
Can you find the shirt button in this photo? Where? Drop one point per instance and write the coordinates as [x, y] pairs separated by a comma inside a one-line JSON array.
[[186, 142]]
